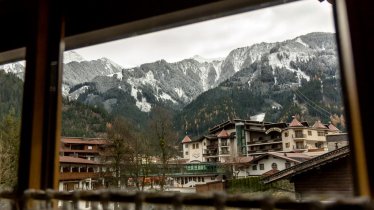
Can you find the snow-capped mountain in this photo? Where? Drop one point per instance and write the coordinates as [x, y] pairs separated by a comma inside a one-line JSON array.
[[70, 56], [17, 68], [260, 67], [283, 64], [201, 59]]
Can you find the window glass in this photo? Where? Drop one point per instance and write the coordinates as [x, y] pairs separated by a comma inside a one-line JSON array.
[[262, 166], [250, 76], [11, 93]]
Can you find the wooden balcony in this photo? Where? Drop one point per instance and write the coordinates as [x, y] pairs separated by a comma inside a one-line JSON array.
[[300, 136], [212, 146], [77, 175], [210, 154], [224, 152], [270, 141]]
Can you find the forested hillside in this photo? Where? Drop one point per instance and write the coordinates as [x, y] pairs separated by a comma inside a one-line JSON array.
[[11, 89]]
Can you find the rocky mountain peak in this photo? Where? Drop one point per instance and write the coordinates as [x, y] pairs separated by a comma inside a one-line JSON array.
[[70, 56]]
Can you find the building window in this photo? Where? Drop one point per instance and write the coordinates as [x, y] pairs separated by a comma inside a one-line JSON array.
[[89, 147], [299, 134], [186, 153], [309, 133], [287, 145], [288, 164], [254, 167], [262, 166], [186, 146], [321, 133], [285, 134], [319, 145], [197, 146], [274, 166]]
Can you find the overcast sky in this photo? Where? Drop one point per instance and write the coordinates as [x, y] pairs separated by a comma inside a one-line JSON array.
[[216, 38]]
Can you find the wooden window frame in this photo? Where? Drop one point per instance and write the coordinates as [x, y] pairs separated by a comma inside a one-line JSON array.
[[41, 115]]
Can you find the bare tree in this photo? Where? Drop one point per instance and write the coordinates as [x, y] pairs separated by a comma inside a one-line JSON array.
[[165, 140], [120, 135], [140, 163]]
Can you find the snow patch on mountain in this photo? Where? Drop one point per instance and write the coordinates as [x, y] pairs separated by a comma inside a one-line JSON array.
[[201, 59], [283, 59], [180, 92], [65, 90], [109, 64], [204, 77], [238, 58], [17, 68], [70, 56], [218, 68], [74, 95], [165, 97], [301, 42], [142, 104], [118, 75], [150, 79]]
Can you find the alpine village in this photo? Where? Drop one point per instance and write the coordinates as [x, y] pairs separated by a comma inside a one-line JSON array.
[[268, 118]]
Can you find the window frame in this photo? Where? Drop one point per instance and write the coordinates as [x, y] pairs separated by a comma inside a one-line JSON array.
[[350, 19]]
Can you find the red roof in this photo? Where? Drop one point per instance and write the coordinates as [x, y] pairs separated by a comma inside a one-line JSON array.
[[333, 128], [295, 123], [68, 159], [271, 172], [83, 141], [186, 139], [223, 133], [318, 124]]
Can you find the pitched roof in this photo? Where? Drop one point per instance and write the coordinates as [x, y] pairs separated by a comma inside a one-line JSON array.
[[68, 159], [295, 123], [294, 156], [240, 160], [271, 172], [318, 124], [332, 127], [70, 140], [286, 156], [186, 139], [308, 165], [223, 134]]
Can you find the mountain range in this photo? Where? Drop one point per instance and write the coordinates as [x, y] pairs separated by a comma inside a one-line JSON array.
[[284, 78]]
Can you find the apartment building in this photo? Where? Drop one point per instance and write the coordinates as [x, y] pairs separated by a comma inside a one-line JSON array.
[[80, 163], [225, 142]]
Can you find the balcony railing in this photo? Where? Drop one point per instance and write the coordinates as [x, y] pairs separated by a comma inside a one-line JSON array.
[[103, 199], [224, 144], [300, 136], [77, 175], [212, 146], [210, 154], [300, 147], [276, 140], [224, 152]]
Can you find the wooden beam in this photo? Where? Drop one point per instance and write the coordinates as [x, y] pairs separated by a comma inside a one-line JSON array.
[[41, 114], [355, 37]]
